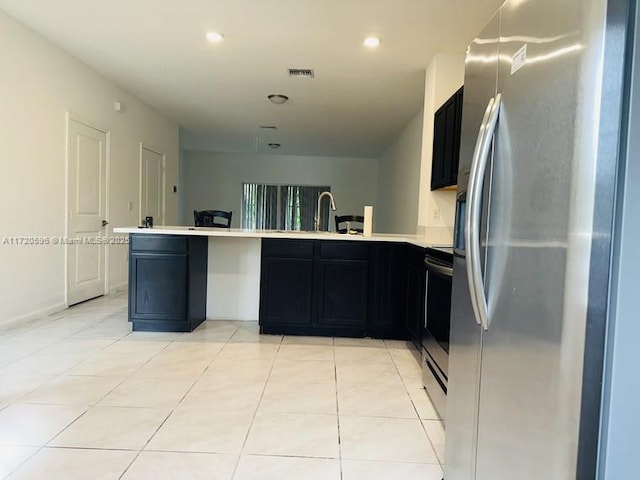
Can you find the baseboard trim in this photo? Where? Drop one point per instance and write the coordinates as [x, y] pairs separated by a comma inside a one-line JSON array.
[[227, 319], [33, 317], [122, 287]]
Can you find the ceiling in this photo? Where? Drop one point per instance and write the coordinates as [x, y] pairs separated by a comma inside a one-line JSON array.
[[359, 100]]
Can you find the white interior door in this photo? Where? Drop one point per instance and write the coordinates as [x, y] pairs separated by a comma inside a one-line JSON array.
[[87, 200], [152, 180]]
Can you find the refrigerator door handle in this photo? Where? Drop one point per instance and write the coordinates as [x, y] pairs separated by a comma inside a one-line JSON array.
[[474, 204], [468, 231]]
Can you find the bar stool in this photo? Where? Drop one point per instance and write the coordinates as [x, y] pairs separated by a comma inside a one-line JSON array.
[[209, 218], [347, 220]]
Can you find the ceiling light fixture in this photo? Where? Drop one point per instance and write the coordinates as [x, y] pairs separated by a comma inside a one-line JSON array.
[[371, 42], [302, 72], [274, 145], [214, 37], [277, 98]]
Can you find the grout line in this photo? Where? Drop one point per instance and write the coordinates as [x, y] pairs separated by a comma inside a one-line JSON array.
[[431, 444], [42, 447], [10, 472], [172, 410], [60, 340], [226, 343], [335, 373], [255, 412]]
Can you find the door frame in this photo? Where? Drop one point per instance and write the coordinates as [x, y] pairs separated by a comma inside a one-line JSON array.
[[73, 117], [158, 151]]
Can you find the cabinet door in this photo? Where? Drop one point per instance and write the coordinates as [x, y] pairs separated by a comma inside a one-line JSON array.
[[416, 282], [413, 298], [389, 291], [286, 291], [439, 144], [451, 142], [446, 142], [158, 286], [342, 290], [455, 160]]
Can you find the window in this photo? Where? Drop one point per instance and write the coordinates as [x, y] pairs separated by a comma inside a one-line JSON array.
[[282, 207]]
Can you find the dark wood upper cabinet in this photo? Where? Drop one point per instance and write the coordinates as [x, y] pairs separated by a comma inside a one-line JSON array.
[[447, 128]]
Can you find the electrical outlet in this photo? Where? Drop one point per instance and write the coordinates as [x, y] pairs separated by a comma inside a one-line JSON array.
[[130, 206], [436, 213]]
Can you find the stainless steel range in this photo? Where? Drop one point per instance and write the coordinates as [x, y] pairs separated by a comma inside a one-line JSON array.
[[435, 339]]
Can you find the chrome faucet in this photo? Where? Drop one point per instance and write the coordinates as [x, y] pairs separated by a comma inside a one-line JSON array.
[[333, 207]]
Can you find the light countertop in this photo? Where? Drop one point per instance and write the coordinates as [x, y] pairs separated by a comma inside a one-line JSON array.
[[419, 241]]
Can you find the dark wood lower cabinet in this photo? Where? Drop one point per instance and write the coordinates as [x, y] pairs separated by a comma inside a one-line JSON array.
[[389, 288], [311, 287], [343, 293], [352, 288], [336, 288], [415, 294], [160, 291], [167, 282], [286, 291]]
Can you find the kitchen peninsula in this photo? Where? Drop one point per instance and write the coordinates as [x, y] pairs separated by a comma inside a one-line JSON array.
[[307, 283]]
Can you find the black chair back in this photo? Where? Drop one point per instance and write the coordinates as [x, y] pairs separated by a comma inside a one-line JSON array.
[[212, 218], [343, 220]]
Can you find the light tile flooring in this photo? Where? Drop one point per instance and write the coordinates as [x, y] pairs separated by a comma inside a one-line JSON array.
[[83, 397]]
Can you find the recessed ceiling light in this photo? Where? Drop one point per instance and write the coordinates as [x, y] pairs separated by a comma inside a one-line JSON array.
[[214, 37], [371, 42], [278, 98]]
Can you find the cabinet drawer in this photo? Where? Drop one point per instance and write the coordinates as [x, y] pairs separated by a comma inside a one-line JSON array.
[[353, 250], [158, 243], [287, 248]]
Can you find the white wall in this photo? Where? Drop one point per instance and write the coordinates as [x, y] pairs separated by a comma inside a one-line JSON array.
[[233, 278], [406, 203], [214, 180], [436, 212], [39, 84], [396, 210]]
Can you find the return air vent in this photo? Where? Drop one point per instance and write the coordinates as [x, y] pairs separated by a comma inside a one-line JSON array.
[[301, 72]]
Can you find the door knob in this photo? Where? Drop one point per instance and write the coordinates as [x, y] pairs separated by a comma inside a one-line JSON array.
[[104, 223]]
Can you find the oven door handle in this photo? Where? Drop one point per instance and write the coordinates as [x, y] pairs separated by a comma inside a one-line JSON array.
[[438, 268], [426, 297]]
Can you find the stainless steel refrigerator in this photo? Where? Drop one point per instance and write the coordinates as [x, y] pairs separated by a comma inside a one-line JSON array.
[[542, 114]]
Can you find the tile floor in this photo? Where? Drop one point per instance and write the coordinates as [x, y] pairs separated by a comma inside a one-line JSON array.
[[83, 397]]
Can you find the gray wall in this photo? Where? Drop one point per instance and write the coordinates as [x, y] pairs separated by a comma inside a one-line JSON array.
[[399, 181], [213, 180]]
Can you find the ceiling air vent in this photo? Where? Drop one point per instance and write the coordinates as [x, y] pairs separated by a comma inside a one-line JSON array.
[[301, 72]]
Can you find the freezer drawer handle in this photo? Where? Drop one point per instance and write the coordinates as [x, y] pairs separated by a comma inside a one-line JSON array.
[[474, 203]]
